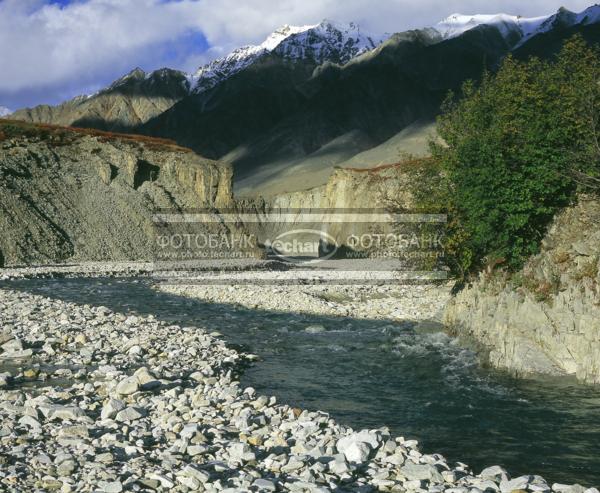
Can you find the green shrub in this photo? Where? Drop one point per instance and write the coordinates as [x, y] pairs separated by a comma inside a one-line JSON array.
[[513, 146]]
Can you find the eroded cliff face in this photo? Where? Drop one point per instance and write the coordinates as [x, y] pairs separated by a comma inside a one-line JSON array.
[[347, 190], [78, 196], [546, 318]]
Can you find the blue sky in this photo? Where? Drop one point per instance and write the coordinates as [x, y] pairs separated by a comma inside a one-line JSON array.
[[52, 50]]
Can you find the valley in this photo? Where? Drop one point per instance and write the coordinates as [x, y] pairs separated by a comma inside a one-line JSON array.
[[308, 264]]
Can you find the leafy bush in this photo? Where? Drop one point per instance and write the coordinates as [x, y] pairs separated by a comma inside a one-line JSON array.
[[516, 146]]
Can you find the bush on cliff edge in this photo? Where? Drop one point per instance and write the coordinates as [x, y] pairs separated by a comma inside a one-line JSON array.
[[516, 147]]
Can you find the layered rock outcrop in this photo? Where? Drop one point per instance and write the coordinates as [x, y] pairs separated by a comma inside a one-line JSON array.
[[546, 318], [348, 190], [76, 196]]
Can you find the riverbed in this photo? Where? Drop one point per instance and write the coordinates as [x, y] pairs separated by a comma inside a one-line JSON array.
[[369, 373]]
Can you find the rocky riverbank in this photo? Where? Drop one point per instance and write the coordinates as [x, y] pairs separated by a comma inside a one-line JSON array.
[[544, 319], [383, 302], [93, 400], [85, 269], [128, 269]]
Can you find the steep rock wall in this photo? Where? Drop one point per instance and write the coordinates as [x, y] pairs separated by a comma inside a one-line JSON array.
[[70, 196], [546, 318], [347, 190]]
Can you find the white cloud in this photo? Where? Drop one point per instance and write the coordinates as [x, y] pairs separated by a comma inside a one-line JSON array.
[[54, 51]]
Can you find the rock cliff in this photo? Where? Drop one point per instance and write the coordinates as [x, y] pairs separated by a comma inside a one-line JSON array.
[[87, 195], [546, 318], [347, 190]]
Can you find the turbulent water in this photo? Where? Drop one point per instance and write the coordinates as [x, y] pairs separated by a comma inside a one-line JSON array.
[[419, 383]]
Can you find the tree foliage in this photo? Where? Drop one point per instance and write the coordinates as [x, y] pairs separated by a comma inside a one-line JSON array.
[[515, 148]]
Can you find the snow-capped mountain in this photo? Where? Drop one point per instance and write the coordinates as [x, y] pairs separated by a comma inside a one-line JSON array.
[[565, 18], [220, 69], [329, 41], [458, 24], [326, 41], [4, 111], [525, 28]]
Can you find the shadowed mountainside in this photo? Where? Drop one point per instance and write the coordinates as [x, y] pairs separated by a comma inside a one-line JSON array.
[[276, 112]]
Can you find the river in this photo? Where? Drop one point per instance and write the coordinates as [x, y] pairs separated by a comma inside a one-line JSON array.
[[366, 373]]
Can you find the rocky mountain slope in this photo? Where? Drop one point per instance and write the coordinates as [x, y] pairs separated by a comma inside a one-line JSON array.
[[276, 112], [310, 98], [544, 319], [85, 195], [324, 42], [277, 119], [129, 101], [138, 96]]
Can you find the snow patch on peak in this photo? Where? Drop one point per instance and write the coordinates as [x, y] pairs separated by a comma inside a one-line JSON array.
[[326, 41], [282, 33], [4, 111], [220, 69], [329, 41], [457, 24]]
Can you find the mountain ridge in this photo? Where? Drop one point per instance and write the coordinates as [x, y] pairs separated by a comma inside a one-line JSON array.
[[327, 41], [318, 92]]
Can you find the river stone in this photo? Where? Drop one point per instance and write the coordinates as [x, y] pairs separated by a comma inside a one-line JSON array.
[[314, 329], [111, 408], [146, 380], [189, 482], [25, 353], [264, 485], [66, 468], [241, 452], [495, 473], [128, 386], [412, 472], [565, 488], [519, 483], [293, 465], [373, 438], [339, 465], [192, 471], [110, 486], [354, 449], [31, 422], [357, 447], [128, 414], [71, 413], [12, 345]]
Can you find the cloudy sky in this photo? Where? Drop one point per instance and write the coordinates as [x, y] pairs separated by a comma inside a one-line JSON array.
[[52, 50]]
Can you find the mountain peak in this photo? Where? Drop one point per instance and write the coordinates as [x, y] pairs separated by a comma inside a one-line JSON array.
[[326, 41], [457, 24], [282, 33], [136, 74]]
